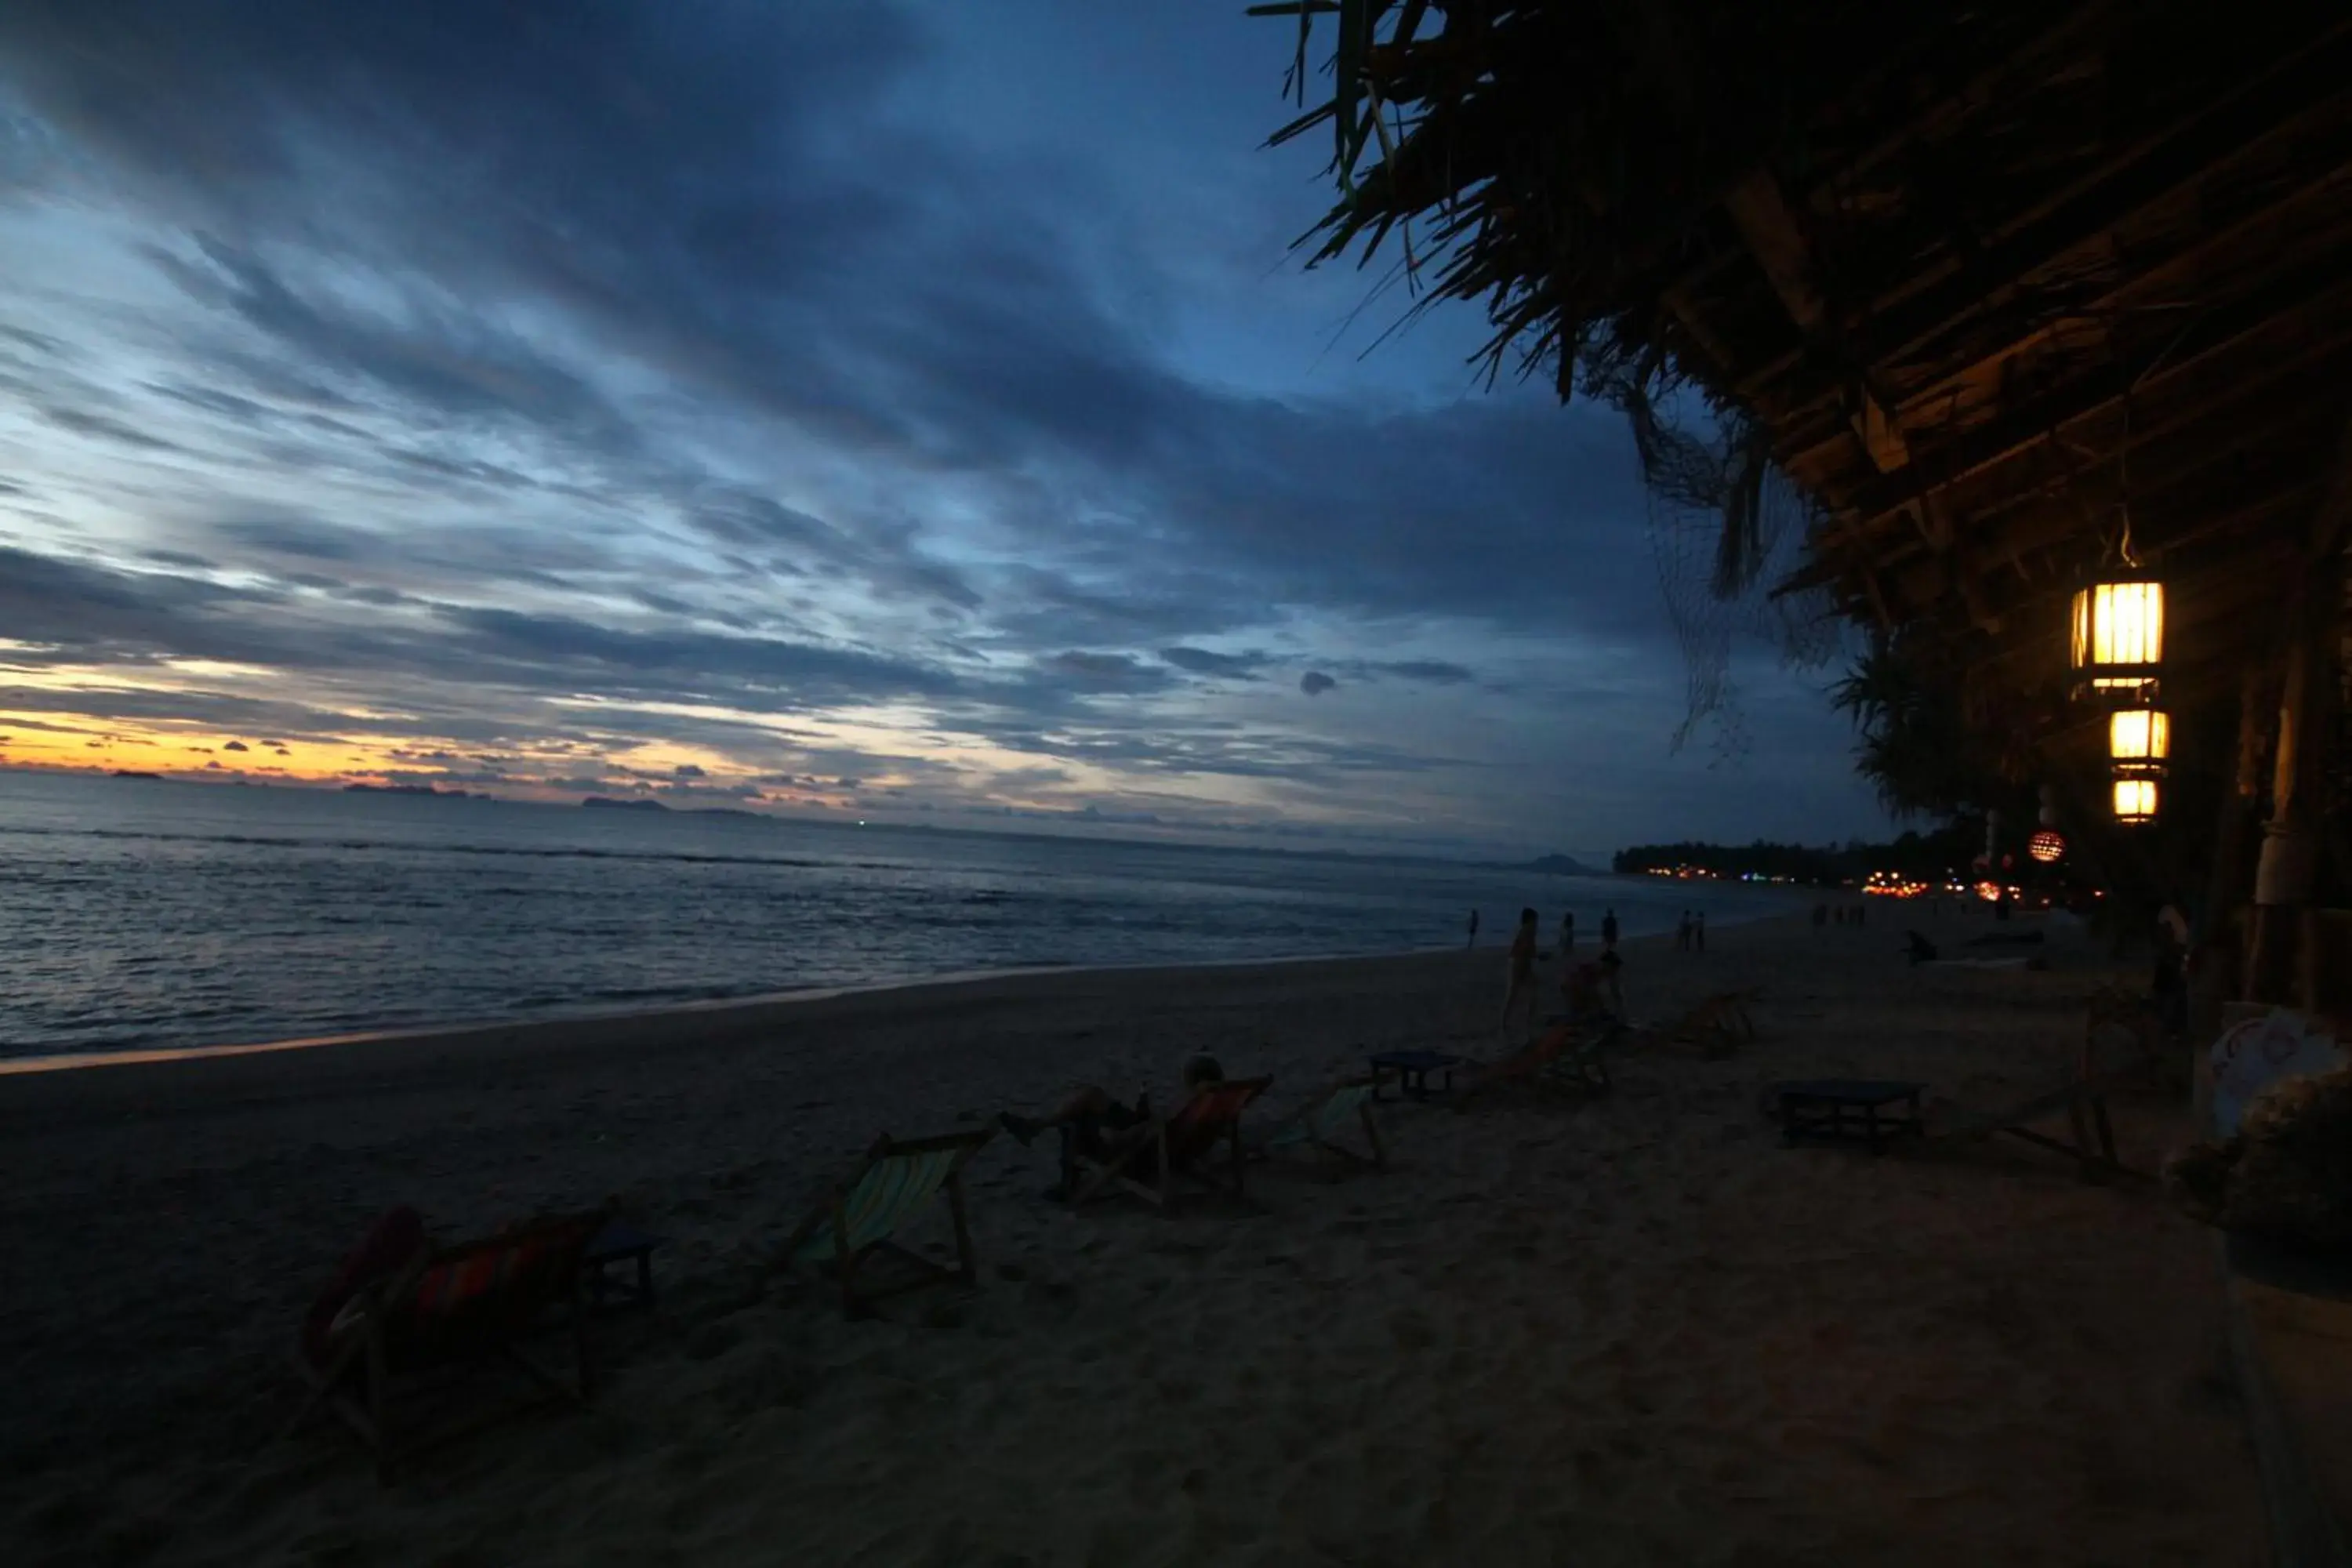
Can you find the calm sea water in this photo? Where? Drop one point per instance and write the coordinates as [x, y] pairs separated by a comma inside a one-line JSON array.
[[140, 914]]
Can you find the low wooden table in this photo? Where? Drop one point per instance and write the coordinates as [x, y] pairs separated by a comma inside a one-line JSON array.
[[615, 1243], [1831, 1110], [1412, 1069]]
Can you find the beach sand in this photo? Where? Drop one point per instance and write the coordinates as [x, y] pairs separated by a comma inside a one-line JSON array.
[[1630, 1329]]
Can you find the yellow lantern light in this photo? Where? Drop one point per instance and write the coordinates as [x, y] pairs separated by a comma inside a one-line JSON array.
[[2139, 740], [2118, 643], [2046, 845], [2135, 800]]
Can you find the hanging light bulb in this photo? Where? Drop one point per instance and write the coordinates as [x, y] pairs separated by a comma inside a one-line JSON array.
[[2118, 635]]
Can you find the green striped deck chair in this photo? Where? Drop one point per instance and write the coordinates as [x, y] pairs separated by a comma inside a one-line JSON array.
[[1146, 1161], [1323, 1124], [863, 1215]]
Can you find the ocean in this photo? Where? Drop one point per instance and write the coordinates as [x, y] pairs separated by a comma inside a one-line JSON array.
[[145, 914]]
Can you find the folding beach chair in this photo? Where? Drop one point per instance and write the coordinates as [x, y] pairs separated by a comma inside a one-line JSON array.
[[1717, 1026], [2090, 1141], [1568, 1054], [1323, 1124], [402, 1309], [1145, 1160], [863, 1214]]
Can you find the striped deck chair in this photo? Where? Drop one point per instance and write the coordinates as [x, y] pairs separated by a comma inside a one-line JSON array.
[[863, 1214], [1322, 1124], [1145, 1162], [1567, 1055], [1716, 1026], [445, 1307]]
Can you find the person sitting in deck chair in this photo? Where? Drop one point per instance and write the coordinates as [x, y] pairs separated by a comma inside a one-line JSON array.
[[1089, 1115]]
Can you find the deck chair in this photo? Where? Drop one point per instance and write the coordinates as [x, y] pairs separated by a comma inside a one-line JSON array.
[[442, 1309], [1717, 1026], [1145, 1162], [1323, 1124], [1570, 1055], [861, 1216], [2090, 1142]]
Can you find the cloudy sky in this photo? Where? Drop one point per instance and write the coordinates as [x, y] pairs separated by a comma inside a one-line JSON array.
[[901, 408]]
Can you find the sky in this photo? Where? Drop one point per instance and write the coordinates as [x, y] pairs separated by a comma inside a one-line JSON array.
[[913, 411]]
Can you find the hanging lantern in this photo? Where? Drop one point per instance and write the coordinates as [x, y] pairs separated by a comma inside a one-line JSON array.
[[2119, 642], [2046, 845], [2135, 799], [2139, 740]]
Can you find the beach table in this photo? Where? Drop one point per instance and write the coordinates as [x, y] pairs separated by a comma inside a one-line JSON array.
[[1830, 1109], [1412, 1070], [614, 1244]]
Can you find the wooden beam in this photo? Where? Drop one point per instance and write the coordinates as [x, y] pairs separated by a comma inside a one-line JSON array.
[[2275, 98], [1777, 240], [2027, 425], [2183, 265]]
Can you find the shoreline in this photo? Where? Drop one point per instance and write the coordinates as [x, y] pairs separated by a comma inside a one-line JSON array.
[[726, 1016]]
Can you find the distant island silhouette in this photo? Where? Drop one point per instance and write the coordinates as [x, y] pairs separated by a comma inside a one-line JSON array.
[[1563, 865], [135, 773], [607, 802], [408, 789]]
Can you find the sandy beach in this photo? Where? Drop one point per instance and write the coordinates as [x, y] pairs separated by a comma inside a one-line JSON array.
[[1628, 1329]]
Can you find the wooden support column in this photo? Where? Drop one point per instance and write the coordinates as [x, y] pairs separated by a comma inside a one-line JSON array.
[[2285, 876], [2223, 890]]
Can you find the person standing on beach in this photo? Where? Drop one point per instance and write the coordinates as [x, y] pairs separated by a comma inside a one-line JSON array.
[[1682, 931], [1698, 930], [1567, 931], [1523, 973], [1608, 930], [1474, 931]]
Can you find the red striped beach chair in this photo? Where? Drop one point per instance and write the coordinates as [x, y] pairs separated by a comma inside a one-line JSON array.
[[862, 1215], [402, 1309], [1145, 1161]]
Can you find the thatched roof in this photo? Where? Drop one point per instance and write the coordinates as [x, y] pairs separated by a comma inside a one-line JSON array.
[[1982, 279]]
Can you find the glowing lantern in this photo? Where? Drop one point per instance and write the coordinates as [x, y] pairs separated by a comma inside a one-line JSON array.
[[1988, 891], [2135, 799], [2119, 642], [2046, 846], [2139, 740]]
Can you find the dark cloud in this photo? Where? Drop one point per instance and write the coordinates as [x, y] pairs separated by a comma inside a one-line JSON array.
[[236, 747], [1201, 661], [1432, 671], [1315, 683]]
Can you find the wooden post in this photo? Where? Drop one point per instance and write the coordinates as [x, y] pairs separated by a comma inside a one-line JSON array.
[[2228, 881], [2282, 877]]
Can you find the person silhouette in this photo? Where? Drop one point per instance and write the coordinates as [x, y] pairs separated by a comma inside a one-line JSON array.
[[1608, 929], [1473, 930]]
